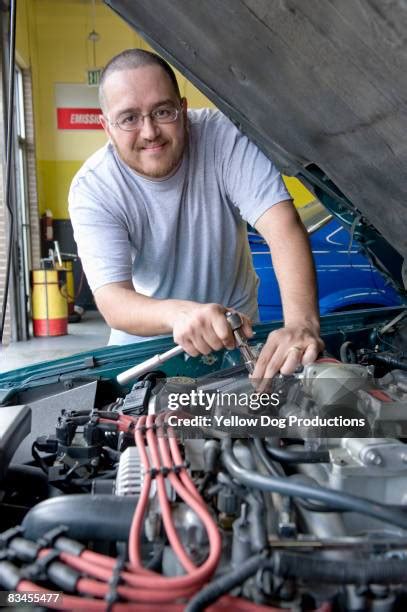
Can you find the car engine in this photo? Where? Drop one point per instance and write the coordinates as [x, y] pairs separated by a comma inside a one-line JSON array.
[[165, 496]]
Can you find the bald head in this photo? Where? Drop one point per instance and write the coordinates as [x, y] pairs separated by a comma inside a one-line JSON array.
[[132, 59]]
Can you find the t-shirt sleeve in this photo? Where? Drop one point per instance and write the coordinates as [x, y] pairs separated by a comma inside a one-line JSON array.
[[101, 236], [252, 181]]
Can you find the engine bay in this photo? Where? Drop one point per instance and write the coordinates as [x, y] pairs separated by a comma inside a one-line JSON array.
[[168, 495]]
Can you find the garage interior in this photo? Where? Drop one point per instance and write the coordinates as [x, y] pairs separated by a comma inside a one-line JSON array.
[[137, 477], [60, 48]]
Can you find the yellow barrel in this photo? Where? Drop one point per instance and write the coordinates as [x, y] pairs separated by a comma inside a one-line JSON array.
[[49, 303], [67, 265]]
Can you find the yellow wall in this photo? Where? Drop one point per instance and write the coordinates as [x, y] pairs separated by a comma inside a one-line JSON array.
[[52, 38], [22, 35], [300, 194]]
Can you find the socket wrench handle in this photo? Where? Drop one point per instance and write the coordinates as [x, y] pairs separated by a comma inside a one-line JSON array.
[[234, 321], [149, 364]]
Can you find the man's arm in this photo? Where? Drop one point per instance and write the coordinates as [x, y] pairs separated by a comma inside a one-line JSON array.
[[198, 328], [298, 341]]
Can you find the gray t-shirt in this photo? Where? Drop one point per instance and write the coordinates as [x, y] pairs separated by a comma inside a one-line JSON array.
[[183, 237]]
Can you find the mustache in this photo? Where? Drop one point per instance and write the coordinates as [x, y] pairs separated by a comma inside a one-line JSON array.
[[149, 144]]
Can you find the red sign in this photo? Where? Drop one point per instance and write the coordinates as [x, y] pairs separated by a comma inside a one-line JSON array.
[[78, 118]]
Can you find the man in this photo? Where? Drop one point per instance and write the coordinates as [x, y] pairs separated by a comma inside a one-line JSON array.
[[159, 216]]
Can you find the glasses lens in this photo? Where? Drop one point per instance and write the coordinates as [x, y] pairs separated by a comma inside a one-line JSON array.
[[133, 121], [164, 114], [129, 122]]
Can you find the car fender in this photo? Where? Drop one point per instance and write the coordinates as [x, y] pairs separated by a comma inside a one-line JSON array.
[[354, 297]]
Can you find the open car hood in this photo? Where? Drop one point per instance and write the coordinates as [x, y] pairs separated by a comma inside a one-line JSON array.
[[321, 89]]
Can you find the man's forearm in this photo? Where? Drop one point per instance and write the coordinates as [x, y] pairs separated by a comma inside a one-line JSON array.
[[296, 277], [293, 264], [198, 328], [128, 311], [298, 342]]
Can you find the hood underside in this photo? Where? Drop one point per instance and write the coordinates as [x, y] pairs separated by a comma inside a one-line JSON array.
[[321, 83]]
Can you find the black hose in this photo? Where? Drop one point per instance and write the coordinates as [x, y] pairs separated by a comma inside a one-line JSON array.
[[88, 517], [366, 571], [218, 587], [304, 503], [273, 469], [286, 455], [317, 507], [344, 501], [307, 567], [391, 362], [347, 352], [9, 151]]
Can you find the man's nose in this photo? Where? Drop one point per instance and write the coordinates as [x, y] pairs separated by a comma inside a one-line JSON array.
[[149, 130]]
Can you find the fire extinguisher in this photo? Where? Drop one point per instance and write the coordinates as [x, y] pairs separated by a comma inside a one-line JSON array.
[[47, 231]]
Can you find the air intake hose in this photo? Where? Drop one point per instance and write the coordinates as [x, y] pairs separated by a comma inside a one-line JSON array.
[[87, 517]]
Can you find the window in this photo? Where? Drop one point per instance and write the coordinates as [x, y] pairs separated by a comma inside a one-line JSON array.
[[22, 218]]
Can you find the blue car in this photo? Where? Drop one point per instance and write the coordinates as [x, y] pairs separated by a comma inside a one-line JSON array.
[[346, 278]]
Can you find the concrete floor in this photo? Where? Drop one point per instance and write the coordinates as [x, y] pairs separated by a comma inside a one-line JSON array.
[[92, 332]]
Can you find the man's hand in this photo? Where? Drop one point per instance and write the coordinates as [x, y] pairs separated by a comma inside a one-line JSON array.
[[298, 342], [198, 328], [203, 328], [285, 350]]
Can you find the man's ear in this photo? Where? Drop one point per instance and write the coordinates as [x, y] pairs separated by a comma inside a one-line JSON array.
[[105, 124], [184, 107]]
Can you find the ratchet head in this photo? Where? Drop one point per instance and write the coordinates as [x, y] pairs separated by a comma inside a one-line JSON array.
[[236, 323], [234, 319]]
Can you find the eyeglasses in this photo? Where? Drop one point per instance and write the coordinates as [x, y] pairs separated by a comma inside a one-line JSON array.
[[134, 121]]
